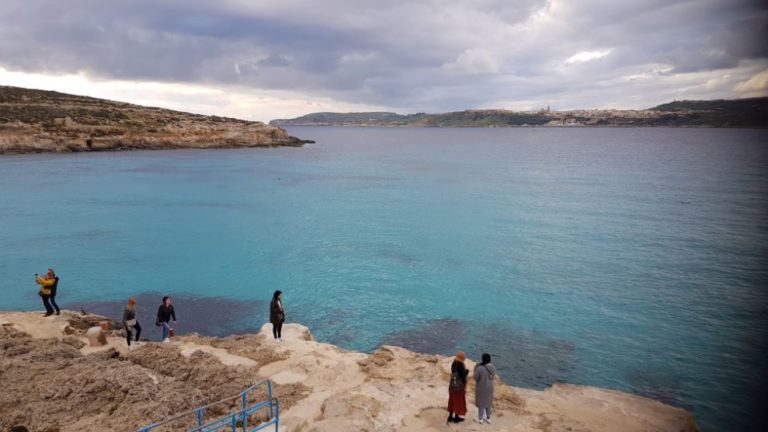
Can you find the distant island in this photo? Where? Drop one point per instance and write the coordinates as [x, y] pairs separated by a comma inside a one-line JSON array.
[[738, 113], [36, 121]]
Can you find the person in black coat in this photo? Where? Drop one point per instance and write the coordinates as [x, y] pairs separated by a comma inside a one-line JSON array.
[[164, 315], [52, 297], [277, 315]]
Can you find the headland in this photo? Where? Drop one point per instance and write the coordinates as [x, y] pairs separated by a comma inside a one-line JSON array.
[[38, 121]]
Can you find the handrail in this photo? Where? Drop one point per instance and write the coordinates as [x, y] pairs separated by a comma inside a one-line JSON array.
[[244, 412], [232, 416], [273, 420]]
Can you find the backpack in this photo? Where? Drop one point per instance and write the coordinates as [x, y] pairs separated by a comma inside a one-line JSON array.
[[456, 384]]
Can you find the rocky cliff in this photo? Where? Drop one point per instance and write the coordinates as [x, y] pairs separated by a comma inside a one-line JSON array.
[[52, 381], [34, 121]]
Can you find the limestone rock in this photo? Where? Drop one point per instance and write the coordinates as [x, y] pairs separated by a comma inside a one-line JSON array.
[[51, 382], [36, 121]]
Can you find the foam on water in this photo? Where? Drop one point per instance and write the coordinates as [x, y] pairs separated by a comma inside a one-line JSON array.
[[632, 259]]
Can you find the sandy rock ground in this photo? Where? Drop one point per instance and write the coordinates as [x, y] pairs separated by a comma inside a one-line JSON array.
[[52, 381]]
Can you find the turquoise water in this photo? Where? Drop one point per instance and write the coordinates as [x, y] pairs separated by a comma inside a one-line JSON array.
[[632, 259]]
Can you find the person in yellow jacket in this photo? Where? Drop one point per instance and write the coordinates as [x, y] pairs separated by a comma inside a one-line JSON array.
[[46, 287]]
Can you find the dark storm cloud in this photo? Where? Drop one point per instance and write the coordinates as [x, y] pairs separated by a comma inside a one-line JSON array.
[[433, 55], [154, 40], [689, 35]]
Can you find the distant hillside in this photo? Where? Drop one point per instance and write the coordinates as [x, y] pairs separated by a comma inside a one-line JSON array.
[[360, 118], [752, 112], [47, 121], [714, 105], [741, 113], [387, 119], [481, 118]]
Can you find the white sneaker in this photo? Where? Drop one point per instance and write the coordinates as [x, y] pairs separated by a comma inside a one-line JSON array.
[[478, 420], [130, 347], [166, 340], [488, 421]]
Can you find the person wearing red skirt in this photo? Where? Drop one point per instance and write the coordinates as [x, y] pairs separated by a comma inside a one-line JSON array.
[[457, 399]]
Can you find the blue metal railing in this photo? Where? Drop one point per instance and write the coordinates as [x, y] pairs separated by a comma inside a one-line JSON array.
[[233, 421]]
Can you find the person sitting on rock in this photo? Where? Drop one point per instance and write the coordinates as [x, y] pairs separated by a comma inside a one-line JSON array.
[[97, 335], [457, 399]]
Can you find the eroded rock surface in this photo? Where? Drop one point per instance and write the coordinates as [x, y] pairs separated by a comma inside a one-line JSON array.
[[52, 381], [58, 383]]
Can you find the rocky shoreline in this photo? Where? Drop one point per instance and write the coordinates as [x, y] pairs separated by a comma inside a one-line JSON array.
[[36, 121], [53, 381]]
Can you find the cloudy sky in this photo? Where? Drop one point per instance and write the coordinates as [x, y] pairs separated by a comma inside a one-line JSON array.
[[266, 59]]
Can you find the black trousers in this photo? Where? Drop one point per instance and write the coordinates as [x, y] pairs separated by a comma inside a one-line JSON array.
[[128, 333], [277, 329], [47, 304], [53, 303]]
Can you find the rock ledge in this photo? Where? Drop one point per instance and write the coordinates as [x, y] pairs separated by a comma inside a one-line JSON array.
[[52, 381]]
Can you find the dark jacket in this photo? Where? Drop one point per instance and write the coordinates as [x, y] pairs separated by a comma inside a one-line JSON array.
[[164, 314], [54, 286], [276, 313], [128, 314], [459, 367]]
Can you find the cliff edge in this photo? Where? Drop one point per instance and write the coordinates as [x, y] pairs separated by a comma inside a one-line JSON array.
[[36, 121], [53, 381]]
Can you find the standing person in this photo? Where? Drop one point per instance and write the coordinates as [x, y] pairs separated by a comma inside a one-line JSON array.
[[130, 321], [45, 292], [484, 375], [52, 298], [277, 315], [164, 315], [457, 397]]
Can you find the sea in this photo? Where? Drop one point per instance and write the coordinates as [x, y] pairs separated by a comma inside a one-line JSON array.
[[626, 258]]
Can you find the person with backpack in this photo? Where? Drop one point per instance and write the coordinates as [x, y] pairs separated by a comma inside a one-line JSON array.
[[457, 399], [164, 315], [484, 375]]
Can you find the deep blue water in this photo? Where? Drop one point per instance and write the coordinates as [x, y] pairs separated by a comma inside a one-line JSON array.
[[633, 259]]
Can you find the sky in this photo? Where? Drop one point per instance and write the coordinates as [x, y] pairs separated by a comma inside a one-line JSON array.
[[267, 59]]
